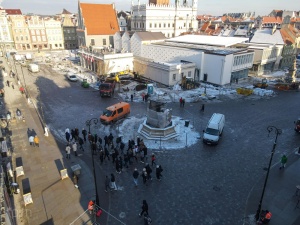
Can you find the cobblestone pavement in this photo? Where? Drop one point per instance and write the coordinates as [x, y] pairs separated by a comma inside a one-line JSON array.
[[202, 184]]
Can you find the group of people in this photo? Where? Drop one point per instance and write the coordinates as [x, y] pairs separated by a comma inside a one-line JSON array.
[[111, 149], [34, 141]]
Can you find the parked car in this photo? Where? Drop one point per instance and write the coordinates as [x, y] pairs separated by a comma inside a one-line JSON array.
[[72, 77]]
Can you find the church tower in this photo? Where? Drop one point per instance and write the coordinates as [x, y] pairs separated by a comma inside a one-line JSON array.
[[159, 2]]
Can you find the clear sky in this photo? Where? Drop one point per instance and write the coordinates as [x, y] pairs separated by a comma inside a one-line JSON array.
[[213, 7]]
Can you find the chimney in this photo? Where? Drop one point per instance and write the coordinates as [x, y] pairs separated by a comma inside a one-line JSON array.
[[274, 29]]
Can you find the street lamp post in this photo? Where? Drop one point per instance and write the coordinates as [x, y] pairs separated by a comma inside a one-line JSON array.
[[89, 123], [277, 132]]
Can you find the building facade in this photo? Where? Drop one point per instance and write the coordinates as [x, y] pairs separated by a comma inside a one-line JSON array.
[[171, 20], [6, 38], [54, 34], [97, 23], [37, 33]]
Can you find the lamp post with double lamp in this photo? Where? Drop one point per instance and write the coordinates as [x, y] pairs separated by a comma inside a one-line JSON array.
[[88, 123], [277, 132]]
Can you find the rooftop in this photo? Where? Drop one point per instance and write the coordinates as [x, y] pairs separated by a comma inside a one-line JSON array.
[[265, 36], [99, 19], [202, 47], [208, 40]]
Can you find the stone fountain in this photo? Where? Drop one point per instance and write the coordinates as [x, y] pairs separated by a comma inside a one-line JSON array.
[[158, 124]]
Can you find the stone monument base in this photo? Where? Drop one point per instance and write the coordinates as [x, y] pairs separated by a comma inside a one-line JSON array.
[[153, 133]]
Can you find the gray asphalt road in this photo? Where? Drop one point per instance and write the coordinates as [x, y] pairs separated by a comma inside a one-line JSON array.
[[203, 184]]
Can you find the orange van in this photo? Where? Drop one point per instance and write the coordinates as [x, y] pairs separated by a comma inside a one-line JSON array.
[[115, 112]]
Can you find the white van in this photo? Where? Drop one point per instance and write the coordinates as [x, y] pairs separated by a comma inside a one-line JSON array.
[[33, 68], [214, 129]]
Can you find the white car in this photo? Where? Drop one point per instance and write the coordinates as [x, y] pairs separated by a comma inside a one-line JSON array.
[[72, 77]]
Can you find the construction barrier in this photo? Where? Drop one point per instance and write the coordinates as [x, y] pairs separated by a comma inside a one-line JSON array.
[[244, 91]]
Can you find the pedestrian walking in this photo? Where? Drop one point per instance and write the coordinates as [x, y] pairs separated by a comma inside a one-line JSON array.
[[180, 102], [74, 147], [36, 141], [72, 134], [107, 183], [101, 153], [131, 97], [8, 117], [143, 96], [105, 140], [183, 102], [84, 133], [76, 132], [12, 85], [68, 151], [75, 180], [94, 148], [283, 162], [68, 135], [153, 159], [113, 182], [31, 140], [106, 153], [80, 141], [158, 172], [144, 208], [19, 114], [100, 141], [135, 175], [122, 146], [117, 166], [91, 206], [202, 108], [144, 176], [7, 83], [149, 171]]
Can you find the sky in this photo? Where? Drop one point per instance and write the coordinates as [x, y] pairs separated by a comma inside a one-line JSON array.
[[212, 7]]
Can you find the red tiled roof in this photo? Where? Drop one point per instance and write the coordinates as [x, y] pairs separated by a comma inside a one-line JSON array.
[[271, 19], [286, 37], [205, 25], [13, 11], [99, 19]]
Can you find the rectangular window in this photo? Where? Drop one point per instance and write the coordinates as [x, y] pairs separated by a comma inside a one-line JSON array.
[[183, 24], [174, 76], [159, 24], [150, 25], [168, 24], [164, 25], [92, 41], [120, 110], [189, 74], [155, 25], [104, 42]]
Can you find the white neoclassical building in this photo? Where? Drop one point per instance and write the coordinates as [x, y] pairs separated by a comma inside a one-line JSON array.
[[160, 16]]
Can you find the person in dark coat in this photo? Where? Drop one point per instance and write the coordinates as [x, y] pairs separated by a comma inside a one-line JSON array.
[[149, 171], [135, 175], [106, 153], [67, 135], [72, 134], [84, 133], [202, 108], [158, 172], [117, 166], [105, 140], [100, 140], [101, 155], [144, 208], [80, 141], [94, 148], [76, 134]]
